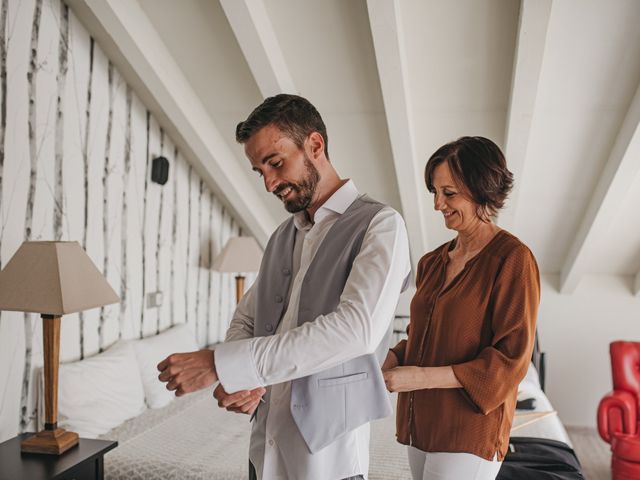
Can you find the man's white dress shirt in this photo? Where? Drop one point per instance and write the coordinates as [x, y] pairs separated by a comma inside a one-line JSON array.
[[367, 305]]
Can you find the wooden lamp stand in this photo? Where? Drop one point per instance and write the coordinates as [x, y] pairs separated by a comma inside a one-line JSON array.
[[52, 440], [239, 288]]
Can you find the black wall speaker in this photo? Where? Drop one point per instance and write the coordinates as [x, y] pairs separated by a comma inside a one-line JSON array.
[[160, 170]]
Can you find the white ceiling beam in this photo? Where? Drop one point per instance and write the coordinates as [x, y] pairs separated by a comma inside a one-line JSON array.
[[257, 38], [527, 66], [620, 171], [124, 31], [388, 41]]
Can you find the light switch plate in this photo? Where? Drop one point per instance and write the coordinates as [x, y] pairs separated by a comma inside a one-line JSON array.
[[154, 299]]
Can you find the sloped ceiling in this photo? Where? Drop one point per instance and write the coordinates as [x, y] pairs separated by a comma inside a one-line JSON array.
[[554, 83]]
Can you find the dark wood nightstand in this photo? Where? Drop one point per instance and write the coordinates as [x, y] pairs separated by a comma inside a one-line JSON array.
[[82, 462]]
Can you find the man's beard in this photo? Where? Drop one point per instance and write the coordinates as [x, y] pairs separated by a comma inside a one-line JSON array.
[[305, 189]]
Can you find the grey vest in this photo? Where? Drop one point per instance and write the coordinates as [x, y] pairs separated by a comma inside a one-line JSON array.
[[330, 403]]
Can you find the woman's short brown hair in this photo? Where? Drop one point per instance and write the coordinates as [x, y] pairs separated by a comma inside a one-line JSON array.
[[477, 165]]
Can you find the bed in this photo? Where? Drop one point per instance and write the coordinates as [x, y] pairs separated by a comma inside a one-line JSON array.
[[191, 438], [541, 421], [194, 439]]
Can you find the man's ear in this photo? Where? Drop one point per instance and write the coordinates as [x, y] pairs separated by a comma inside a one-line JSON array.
[[315, 145]]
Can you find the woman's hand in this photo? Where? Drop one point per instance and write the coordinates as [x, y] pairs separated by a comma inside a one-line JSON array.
[[408, 379], [404, 379]]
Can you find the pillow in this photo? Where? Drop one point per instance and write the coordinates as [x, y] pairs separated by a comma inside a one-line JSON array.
[[531, 381], [151, 351], [99, 393]]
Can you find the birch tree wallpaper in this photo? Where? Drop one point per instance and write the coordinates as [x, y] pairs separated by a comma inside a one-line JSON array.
[[76, 146]]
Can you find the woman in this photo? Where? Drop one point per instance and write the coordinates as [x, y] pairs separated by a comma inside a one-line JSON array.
[[472, 324]]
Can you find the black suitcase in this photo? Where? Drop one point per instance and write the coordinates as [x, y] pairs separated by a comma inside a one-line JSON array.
[[539, 459]]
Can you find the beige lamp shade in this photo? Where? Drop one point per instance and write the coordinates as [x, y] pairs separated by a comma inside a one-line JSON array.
[[240, 254], [53, 278]]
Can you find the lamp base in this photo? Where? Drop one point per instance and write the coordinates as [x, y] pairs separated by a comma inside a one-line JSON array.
[[52, 442]]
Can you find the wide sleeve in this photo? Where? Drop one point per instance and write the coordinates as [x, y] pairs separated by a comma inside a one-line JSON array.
[[400, 348], [497, 370]]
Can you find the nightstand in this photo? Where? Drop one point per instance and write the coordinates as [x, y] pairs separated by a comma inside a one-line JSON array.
[[82, 462]]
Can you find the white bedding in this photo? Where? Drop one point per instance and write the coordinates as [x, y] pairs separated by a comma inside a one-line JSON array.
[[192, 438], [549, 427]]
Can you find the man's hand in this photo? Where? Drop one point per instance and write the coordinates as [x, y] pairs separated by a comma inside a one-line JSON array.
[[390, 362], [188, 372], [244, 401]]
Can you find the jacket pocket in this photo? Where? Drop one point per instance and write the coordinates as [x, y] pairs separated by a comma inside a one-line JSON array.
[[354, 377]]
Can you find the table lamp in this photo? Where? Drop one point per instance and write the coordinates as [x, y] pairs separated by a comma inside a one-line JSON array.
[[240, 254], [52, 279]]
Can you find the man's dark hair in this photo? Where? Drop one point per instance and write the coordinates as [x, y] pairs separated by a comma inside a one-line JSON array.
[[477, 165], [295, 116]]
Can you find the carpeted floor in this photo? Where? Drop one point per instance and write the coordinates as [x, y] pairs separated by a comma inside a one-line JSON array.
[[592, 452]]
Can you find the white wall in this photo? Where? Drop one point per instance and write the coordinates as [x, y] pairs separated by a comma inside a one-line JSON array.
[[146, 237], [575, 331]]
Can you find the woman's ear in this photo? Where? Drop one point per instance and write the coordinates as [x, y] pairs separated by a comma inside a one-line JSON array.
[[484, 212]]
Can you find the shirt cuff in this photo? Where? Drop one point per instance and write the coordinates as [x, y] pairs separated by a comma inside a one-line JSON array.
[[235, 367]]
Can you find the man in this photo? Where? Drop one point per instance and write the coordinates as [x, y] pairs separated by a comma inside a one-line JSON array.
[[310, 326]]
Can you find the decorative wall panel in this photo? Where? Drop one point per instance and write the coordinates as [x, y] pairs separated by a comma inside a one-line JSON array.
[[76, 146]]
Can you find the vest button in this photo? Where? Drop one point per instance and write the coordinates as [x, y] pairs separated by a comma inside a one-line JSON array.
[[286, 271], [278, 299], [269, 327]]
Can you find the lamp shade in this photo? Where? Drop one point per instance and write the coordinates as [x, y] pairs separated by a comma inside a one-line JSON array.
[[53, 278], [240, 254]]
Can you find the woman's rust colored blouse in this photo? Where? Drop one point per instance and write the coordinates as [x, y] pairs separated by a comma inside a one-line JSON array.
[[483, 325]]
